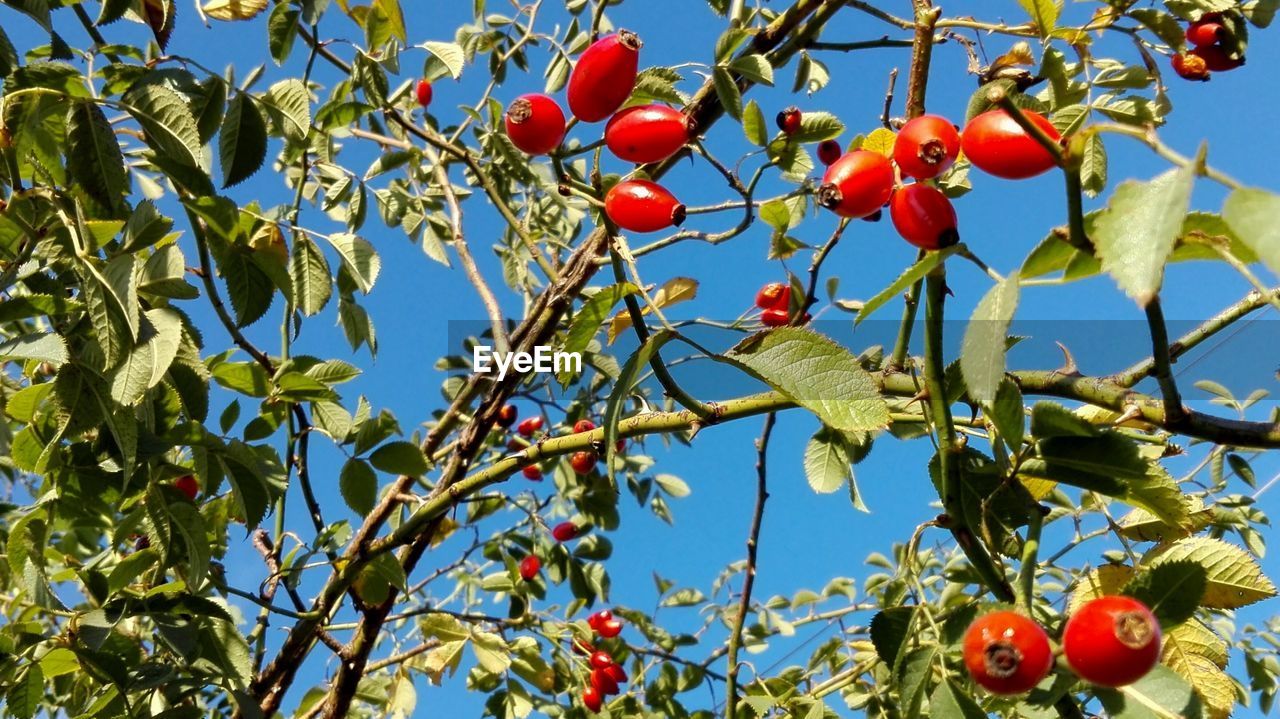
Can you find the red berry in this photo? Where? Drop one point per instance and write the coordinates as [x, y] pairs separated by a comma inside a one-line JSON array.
[[583, 462], [1007, 653], [829, 151], [604, 683], [604, 76], [1112, 641], [565, 531], [515, 444], [592, 699], [775, 318], [857, 184], [535, 123], [424, 93], [532, 473], [924, 217], [583, 648], [616, 673], [995, 143], [601, 660], [790, 120], [648, 133], [774, 296], [594, 620], [583, 425], [1205, 33], [188, 486], [507, 415], [1190, 67], [642, 206], [620, 446], [529, 426], [529, 567], [1217, 59], [926, 147], [609, 628]]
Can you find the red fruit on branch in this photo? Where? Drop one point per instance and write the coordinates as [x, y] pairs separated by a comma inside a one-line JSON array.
[[603, 683], [507, 415], [601, 660], [583, 648], [535, 124], [775, 318], [790, 120], [775, 295], [529, 567], [642, 206], [995, 143], [583, 462], [647, 133], [1007, 653], [565, 531], [188, 485], [532, 473], [596, 619], [592, 699], [1217, 59], [423, 93], [1112, 641], [604, 76], [1190, 67], [926, 147], [857, 184], [529, 426], [1205, 32], [583, 425], [924, 217], [616, 673], [828, 152], [609, 628]]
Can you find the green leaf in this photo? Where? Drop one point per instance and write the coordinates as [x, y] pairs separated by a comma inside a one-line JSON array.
[[1135, 235], [451, 55], [169, 126], [728, 92], [1044, 13], [1007, 413], [59, 661], [149, 360], [754, 67], [906, 279], [242, 143], [1234, 578], [400, 458], [1093, 165], [359, 257], [913, 680], [817, 125], [282, 30], [36, 346], [1254, 215], [950, 702], [1172, 590], [191, 526], [587, 322], [290, 103], [828, 464], [889, 630], [359, 486], [26, 694], [1161, 694], [248, 287], [817, 373], [753, 125], [93, 156], [982, 356], [309, 272]]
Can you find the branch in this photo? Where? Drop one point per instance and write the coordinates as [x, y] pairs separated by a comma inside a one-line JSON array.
[[1173, 408]]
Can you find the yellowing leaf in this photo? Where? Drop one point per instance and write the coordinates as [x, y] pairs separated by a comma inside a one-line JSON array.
[[1235, 579], [1039, 488], [1105, 580], [880, 140], [232, 10], [1199, 656], [1144, 526], [675, 291], [442, 659]]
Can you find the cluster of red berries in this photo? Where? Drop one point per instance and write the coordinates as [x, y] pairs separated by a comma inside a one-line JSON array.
[[1110, 642], [774, 301], [583, 462], [607, 676], [1212, 49]]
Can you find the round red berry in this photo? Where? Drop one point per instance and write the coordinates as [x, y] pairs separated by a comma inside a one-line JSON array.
[[592, 699], [601, 660], [775, 318], [829, 151], [857, 184], [647, 133], [1190, 67], [1007, 653], [616, 672], [995, 143], [790, 120], [926, 147], [642, 206], [1112, 641], [583, 425], [423, 92], [535, 124], [609, 628], [507, 415], [529, 567], [924, 217], [565, 531], [188, 485], [604, 683], [773, 296], [532, 473], [583, 462], [604, 76], [529, 426]]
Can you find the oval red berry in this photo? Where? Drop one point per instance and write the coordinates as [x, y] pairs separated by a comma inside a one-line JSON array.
[[642, 206], [995, 143], [924, 217], [604, 76], [647, 133], [857, 184], [1112, 641], [535, 123], [926, 147], [1007, 653]]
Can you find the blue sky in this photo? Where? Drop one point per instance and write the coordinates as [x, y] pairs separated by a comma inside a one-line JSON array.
[[807, 539]]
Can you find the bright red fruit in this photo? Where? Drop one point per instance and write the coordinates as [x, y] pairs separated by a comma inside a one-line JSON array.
[[583, 462], [616, 673], [188, 486], [507, 415], [857, 184], [790, 120], [609, 628], [532, 473], [995, 143], [592, 699], [604, 76], [529, 426], [926, 147], [648, 133], [773, 296], [1217, 59], [535, 123], [1007, 653], [604, 683], [423, 93], [775, 318], [924, 217], [565, 531], [1205, 33], [829, 151], [601, 660], [594, 620], [1112, 641], [1190, 67], [583, 425], [529, 567], [581, 647], [642, 206]]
